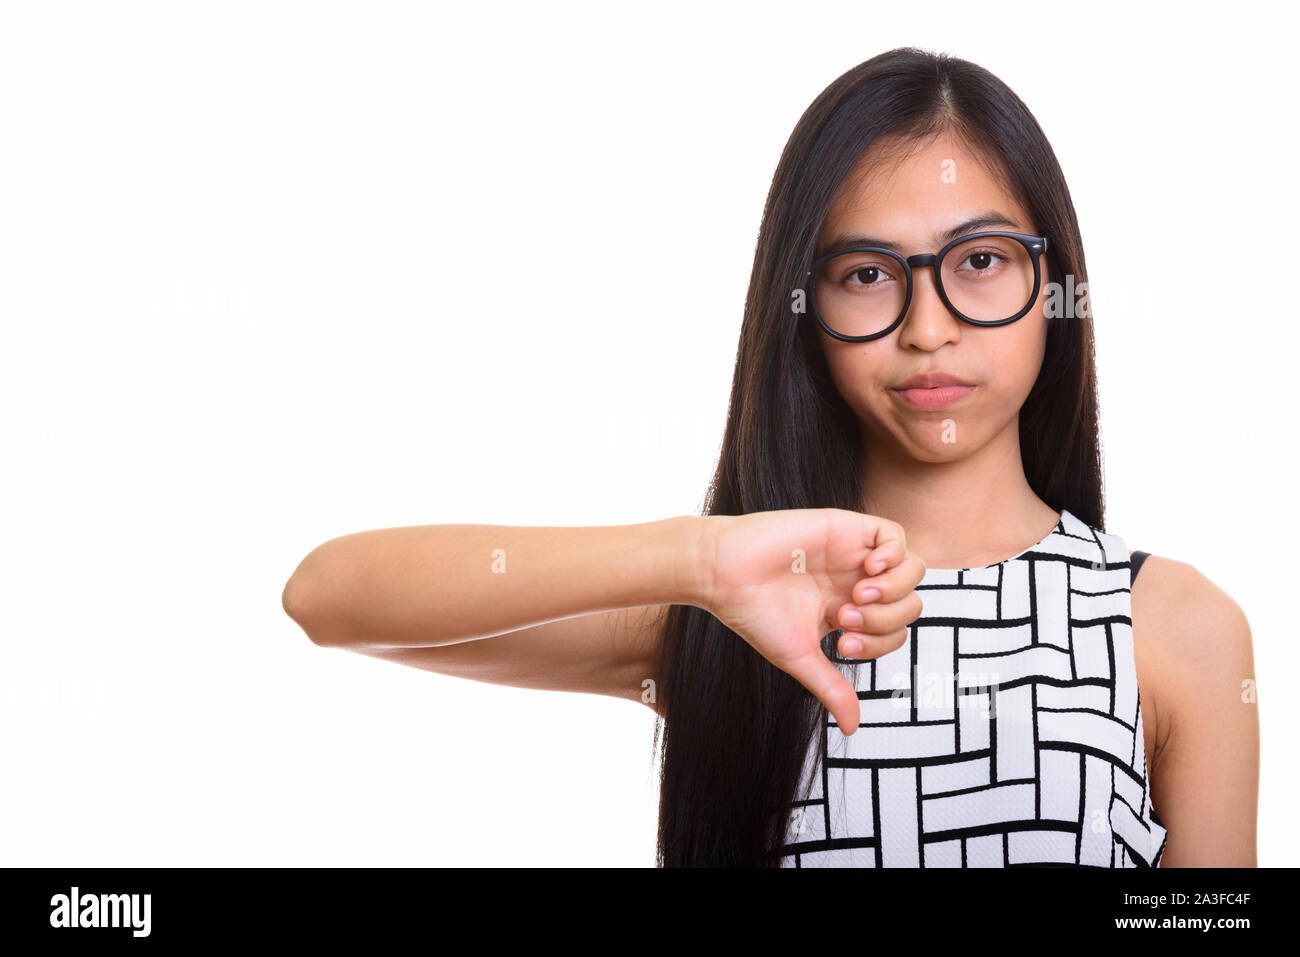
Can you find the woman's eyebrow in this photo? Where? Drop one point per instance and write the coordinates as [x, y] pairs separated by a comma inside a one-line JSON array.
[[991, 219]]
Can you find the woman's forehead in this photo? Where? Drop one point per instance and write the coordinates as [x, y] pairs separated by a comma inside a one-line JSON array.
[[916, 190]]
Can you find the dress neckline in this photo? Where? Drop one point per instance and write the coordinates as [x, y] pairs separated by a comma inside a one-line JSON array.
[[1055, 529]]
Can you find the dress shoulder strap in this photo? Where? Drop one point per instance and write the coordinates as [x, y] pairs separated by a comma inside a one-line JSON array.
[[1135, 564]]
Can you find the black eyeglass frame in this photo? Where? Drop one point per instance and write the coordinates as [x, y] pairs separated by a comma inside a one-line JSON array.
[[1034, 245]]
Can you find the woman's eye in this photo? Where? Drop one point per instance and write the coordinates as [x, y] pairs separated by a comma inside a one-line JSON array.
[[866, 276], [983, 262]]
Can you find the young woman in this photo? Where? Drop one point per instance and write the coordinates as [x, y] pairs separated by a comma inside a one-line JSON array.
[[899, 635]]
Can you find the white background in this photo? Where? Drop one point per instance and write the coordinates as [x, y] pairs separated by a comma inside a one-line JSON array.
[[271, 273]]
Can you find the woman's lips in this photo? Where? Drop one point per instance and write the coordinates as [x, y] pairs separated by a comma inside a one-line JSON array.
[[932, 399]]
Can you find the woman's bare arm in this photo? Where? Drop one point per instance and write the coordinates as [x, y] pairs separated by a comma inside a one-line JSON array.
[[557, 608], [613, 653], [542, 607], [1205, 774]]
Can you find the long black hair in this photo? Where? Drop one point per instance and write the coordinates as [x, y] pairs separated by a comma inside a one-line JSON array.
[[735, 730]]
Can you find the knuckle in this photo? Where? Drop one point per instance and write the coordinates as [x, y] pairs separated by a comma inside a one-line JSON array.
[[875, 619], [886, 619]]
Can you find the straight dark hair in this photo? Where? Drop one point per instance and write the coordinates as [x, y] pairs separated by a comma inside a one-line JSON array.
[[734, 729]]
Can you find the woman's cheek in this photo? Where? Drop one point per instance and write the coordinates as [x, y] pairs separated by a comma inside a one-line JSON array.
[[862, 387]]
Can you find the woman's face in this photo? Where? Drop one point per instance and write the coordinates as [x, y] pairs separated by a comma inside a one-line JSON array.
[[913, 202]]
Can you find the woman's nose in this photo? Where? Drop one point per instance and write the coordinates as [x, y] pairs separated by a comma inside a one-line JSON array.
[[929, 323]]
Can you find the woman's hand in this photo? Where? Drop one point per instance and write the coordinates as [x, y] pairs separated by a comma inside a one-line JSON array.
[[783, 579]]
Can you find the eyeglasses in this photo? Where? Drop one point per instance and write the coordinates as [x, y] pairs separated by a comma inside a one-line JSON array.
[[985, 279]]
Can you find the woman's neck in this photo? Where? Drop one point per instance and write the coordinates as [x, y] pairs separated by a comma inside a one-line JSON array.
[[966, 513]]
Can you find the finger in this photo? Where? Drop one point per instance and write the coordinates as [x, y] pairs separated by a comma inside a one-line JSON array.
[[884, 618], [858, 645], [882, 557], [891, 584], [879, 533], [854, 617], [849, 617], [828, 685]]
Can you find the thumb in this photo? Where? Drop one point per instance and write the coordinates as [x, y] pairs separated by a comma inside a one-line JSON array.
[[828, 685]]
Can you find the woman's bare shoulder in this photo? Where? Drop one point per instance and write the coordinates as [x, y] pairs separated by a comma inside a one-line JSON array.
[[1193, 633], [1189, 607], [1194, 646]]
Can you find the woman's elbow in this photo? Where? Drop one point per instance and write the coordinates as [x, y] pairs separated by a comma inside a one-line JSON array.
[[303, 602]]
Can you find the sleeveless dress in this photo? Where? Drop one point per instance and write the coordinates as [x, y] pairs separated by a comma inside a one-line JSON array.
[[1006, 731]]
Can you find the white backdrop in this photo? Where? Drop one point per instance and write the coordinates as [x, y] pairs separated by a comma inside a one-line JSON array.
[[275, 272]]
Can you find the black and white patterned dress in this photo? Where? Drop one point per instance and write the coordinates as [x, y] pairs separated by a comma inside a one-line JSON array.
[[1005, 731]]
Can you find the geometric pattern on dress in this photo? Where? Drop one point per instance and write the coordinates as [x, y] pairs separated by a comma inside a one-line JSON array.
[[1006, 731]]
